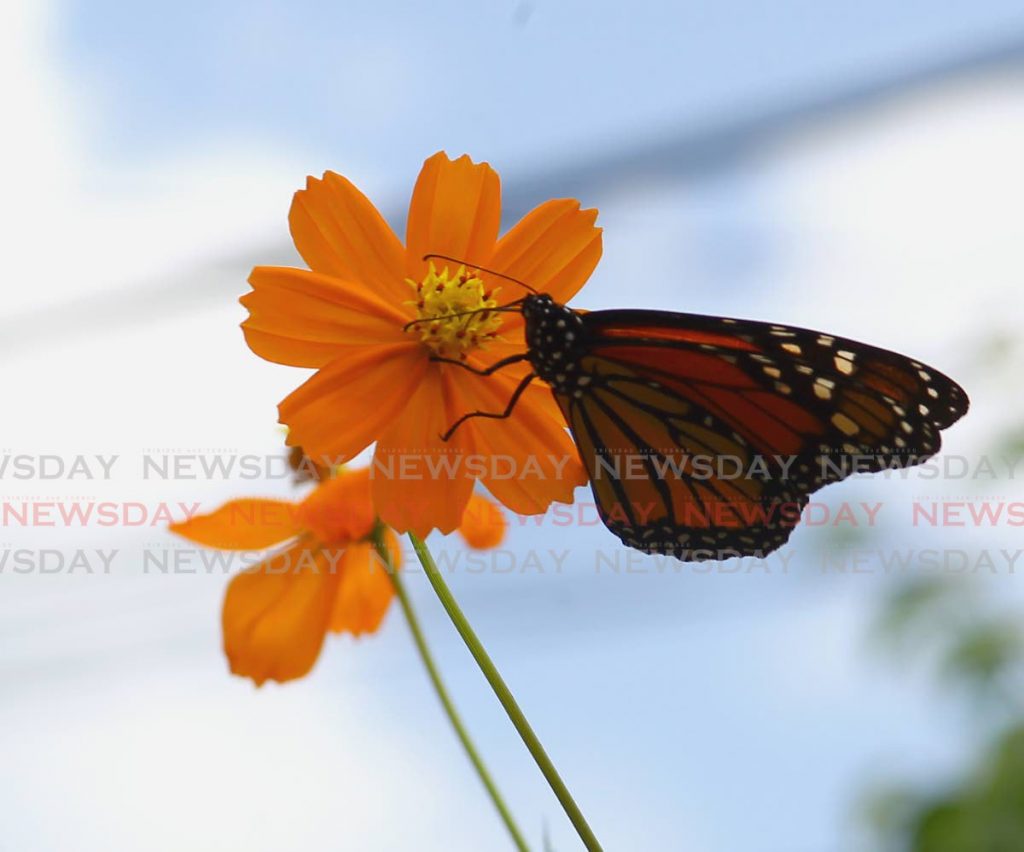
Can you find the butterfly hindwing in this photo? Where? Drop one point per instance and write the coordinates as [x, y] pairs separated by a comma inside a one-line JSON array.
[[655, 470]]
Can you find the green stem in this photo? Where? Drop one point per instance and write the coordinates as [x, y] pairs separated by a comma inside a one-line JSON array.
[[504, 694], [443, 696]]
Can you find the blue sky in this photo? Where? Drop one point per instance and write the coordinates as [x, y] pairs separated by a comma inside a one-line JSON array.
[[703, 712], [378, 84]]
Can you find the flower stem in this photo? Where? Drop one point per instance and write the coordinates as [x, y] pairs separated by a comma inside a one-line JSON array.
[[504, 694], [443, 696]]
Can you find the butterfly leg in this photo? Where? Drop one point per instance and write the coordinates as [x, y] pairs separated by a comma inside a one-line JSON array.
[[497, 365], [520, 388]]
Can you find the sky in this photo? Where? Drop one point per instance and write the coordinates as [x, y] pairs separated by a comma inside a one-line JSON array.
[[156, 153]]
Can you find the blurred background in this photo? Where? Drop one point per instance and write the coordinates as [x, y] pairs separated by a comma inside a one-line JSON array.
[[854, 167]]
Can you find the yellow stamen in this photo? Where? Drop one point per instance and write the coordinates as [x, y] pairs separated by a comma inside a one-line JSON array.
[[457, 305]]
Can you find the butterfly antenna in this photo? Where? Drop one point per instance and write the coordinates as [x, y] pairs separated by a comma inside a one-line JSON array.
[[480, 269]]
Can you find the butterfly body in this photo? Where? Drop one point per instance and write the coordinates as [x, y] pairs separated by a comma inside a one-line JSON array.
[[555, 335], [658, 401]]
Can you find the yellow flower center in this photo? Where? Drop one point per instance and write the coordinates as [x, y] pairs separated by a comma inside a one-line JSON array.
[[453, 317]]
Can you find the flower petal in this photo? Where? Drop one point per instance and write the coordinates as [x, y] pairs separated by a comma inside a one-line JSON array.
[[345, 406], [340, 510], [249, 524], [276, 614], [540, 463], [419, 481], [339, 232], [365, 589], [455, 211], [304, 319], [553, 248], [483, 525]]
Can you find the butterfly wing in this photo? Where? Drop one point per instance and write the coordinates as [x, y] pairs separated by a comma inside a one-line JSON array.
[[705, 436]]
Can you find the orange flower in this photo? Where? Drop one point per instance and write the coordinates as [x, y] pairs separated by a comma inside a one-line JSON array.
[[375, 379], [327, 576]]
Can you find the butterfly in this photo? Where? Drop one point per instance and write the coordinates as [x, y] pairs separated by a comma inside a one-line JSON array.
[[705, 436]]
